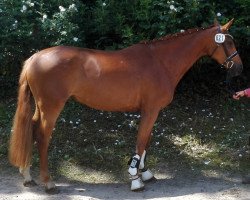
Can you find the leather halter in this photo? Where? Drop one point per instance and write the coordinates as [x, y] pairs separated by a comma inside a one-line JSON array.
[[228, 63]]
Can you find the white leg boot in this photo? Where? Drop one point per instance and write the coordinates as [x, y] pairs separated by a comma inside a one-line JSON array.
[[137, 184], [147, 175]]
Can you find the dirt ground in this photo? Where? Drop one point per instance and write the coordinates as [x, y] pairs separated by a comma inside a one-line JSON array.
[[188, 185]]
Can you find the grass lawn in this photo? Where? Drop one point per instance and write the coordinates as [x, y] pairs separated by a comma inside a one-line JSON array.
[[192, 133]]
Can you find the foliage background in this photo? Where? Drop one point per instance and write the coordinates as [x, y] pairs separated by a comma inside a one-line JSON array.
[[28, 26]]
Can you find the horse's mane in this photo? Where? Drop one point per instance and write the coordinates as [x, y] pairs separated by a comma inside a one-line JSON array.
[[176, 35]]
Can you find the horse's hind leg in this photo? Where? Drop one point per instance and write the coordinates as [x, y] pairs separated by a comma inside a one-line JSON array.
[[28, 181], [44, 123]]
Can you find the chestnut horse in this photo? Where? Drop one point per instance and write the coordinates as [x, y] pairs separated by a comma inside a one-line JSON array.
[[142, 77]]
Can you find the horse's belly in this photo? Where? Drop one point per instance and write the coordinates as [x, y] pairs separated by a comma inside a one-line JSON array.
[[110, 98]]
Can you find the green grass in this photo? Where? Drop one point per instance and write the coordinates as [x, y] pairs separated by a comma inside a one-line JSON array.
[[194, 133]]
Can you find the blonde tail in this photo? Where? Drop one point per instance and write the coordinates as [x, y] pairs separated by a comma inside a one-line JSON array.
[[21, 141]]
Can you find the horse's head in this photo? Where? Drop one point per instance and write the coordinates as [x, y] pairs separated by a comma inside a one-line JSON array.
[[224, 51]]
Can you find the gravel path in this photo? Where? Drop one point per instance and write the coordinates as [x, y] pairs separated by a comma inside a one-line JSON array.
[[211, 186]]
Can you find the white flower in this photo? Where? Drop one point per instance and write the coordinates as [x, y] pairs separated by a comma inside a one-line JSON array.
[[104, 4], [207, 162], [218, 14], [44, 17], [63, 33], [75, 39], [62, 9], [182, 31], [171, 7], [24, 8], [72, 7], [14, 25], [132, 124]]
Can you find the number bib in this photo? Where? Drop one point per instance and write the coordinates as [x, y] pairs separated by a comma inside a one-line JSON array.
[[219, 38]]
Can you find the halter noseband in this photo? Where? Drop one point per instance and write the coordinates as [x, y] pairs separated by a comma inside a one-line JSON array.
[[228, 63]]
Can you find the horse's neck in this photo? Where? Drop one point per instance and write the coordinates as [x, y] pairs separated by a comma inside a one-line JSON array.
[[179, 54]]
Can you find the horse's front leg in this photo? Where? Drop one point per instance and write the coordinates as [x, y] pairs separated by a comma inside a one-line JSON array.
[[137, 161], [146, 174]]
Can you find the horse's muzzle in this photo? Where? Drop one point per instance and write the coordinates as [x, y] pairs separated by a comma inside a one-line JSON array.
[[235, 70]]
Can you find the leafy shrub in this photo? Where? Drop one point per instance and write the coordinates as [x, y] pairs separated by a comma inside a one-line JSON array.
[[28, 26]]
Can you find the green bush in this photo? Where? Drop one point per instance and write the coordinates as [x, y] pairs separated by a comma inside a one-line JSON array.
[[28, 26]]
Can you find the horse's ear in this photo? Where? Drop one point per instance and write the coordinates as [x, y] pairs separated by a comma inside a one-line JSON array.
[[216, 23], [227, 25]]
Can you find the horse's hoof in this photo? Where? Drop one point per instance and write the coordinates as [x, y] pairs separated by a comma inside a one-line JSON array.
[[52, 191], [31, 183], [137, 185], [138, 189]]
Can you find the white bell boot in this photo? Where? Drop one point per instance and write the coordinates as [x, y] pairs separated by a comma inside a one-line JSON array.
[[137, 184], [147, 175]]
